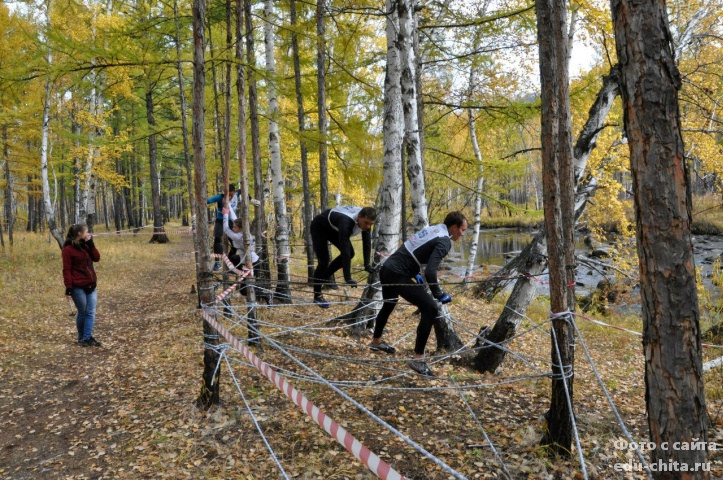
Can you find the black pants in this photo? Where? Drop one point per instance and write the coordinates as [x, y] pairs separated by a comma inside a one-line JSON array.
[[218, 235], [325, 269], [395, 285]]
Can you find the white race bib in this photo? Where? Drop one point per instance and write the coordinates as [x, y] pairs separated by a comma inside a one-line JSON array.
[[351, 212], [424, 236]]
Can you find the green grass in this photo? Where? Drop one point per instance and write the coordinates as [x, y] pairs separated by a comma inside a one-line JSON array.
[[532, 219]]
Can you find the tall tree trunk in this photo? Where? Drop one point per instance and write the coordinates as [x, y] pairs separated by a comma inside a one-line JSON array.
[[321, 103], [416, 48], [219, 142], [210, 389], [557, 177], [389, 214], [8, 204], [227, 101], [184, 127], [78, 202], [157, 237], [49, 210], [244, 174], [674, 393], [415, 173], [263, 281], [477, 194], [283, 251], [302, 146], [88, 194]]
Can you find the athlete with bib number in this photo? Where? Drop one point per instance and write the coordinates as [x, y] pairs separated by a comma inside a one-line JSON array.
[[428, 246], [337, 225]]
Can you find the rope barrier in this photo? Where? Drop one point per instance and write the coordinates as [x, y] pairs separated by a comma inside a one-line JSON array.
[[566, 315], [253, 419], [368, 458], [633, 332]]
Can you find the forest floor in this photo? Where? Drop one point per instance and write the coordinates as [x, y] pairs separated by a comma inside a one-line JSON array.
[[127, 410]]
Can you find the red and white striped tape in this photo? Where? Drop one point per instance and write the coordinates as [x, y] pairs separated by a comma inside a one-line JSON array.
[[230, 265], [598, 322], [243, 273], [368, 458]]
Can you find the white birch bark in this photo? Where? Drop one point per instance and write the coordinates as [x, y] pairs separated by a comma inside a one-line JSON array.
[[477, 194], [281, 237], [415, 172], [49, 210], [389, 219]]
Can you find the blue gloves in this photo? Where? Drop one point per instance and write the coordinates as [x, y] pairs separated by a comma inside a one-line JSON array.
[[444, 298], [418, 278]]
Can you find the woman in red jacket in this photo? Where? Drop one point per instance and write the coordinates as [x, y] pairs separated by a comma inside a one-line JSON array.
[[79, 253]]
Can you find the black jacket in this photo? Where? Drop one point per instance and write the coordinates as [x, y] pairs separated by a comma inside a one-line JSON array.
[[431, 254], [338, 229]]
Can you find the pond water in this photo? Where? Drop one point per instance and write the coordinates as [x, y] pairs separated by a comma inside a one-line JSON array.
[[498, 244]]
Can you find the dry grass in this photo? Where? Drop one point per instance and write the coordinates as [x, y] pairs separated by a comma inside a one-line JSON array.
[[126, 411]]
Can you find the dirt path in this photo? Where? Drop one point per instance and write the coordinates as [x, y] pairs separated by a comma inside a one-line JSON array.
[[68, 411], [127, 410]]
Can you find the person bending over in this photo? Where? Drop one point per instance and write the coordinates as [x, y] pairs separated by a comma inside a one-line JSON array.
[[428, 246], [337, 225]]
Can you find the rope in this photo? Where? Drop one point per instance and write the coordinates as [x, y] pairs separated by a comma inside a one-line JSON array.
[[363, 454], [254, 420], [618, 417], [361, 407], [567, 316]]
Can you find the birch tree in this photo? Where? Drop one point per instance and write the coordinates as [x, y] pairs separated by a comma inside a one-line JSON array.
[[264, 278], [321, 103], [243, 171], [49, 209], [389, 218], [281, 237], [480, 184], [415, 173]]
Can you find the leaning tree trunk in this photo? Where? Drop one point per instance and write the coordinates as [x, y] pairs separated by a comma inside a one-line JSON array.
[[674, 394], [531, 262], [49, 210], [283, 252], [210, 388], [158, 235], [389, 218], [300, 115], [263, 281], [415, 173], [583, 148]]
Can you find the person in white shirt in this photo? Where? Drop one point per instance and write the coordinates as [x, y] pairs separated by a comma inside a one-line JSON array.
[[237, 254]]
